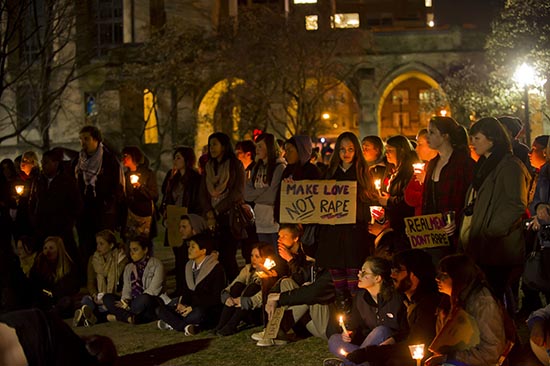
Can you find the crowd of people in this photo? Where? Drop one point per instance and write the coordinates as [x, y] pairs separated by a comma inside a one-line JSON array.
[[362, 286]]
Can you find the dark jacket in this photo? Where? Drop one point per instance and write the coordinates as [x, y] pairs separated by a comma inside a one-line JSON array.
[[396, 208], [190, 183], [140, 200], [207, 290], [235, 189]]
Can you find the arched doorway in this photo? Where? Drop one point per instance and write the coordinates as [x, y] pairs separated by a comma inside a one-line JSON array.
[[407, 104]]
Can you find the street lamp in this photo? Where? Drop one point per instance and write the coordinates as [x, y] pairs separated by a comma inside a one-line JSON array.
[[526, 77]]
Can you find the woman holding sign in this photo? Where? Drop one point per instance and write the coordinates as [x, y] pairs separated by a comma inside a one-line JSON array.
[[343, 248]]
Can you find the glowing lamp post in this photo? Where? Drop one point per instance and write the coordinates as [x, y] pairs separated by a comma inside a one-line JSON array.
[[526, 76], [417, 353]]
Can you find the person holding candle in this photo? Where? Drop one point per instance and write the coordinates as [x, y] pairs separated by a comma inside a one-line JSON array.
[[378, 315], [141, 194], [28, 178], [343, 248], [198, 306], [373, 152]]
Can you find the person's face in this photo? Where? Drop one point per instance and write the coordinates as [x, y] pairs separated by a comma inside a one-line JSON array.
[[347, 151], [185, 229], [401, 279], [291, 154], [256, 258], [179, 162], [194, 252], [88, 143], [49, 167], [21, 251], [216, 149], [261, 150], [482, 145], [370, 152], [26, 166], [127, 161], [434, 138], [444, 283], [391, 154], [367, 279], [103, 246], [137, 253], [537, 155], [243, 157], [286, 238], [50, 251]]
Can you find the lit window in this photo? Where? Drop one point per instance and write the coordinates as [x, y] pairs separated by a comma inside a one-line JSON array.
[[423, 95], [312, 22], [345, 20], [430, 20], [305, 1], [151, 133], [428, 3], [400, 97], [401, 119]]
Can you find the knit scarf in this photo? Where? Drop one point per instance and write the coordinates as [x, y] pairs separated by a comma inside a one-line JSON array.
[[485, 166], [90, 166], [216, 180], [106, 270], [136, 277]]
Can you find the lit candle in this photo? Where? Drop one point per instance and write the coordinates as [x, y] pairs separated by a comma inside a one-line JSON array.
[[269, 263], [134, 178], [343, 352], [417, 352], [378, 185], [418, 167], [343, 325], [19, 189]]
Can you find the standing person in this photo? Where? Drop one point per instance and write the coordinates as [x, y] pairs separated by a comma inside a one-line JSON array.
[[101, 186], [57, 203], [423, 148], [465, 288], [143, 280], [246, 153], [447, 177], [378, 312], [374, 154], [222, 188], [492, 231], [28, 177], [8, 202], [401, 155], [263, 186], [343, 248], [514, 126], [141, 194]]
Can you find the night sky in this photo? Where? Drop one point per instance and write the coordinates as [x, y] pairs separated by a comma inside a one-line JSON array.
[[459, 12]]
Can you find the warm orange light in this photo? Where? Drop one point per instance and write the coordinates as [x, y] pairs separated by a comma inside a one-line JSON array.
[[19, 189], [134, 178], [269, 263]]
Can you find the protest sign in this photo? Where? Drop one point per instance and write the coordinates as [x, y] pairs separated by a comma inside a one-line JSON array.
[[318, 202], [426, 231]]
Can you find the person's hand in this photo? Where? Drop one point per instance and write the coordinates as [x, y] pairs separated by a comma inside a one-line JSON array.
[[346, 336], [420, 176], [211, 220], [435, 360], [390, 340], [237, 302], [270, 307], [215, 254], [383, 199], [450, 228], [538, 335], [121, 304], [284, 252], [230, 302], [186, 311]]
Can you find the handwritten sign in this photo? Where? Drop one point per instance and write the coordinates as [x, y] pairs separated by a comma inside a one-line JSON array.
[[426, 231], [318, 202]]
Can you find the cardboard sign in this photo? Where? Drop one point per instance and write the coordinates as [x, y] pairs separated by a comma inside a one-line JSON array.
[[318, 202], [426, 231], [173, 215]]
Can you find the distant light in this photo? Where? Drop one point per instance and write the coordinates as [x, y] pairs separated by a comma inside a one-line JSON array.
[[335, 125], [526, 75], [431, 24], [443, 112], [325, 115], [323, 140]]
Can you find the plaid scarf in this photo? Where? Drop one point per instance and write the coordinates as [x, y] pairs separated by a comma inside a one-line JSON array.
[[90, 166]]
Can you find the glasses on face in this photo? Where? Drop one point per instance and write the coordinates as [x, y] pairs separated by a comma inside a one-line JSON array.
[[442, 276], [396, 270]]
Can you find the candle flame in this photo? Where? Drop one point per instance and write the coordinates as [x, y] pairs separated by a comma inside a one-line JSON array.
[[417, 351], [378, 183], [419, 166], [269, 263], [19, 189], [134, 178], [343, 352]]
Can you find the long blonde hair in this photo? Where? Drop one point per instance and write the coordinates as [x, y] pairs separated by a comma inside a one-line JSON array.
[[64, 261]]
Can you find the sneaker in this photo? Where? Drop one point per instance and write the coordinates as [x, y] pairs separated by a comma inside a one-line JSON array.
[[162, 325], [190, 330], [77, 318], [268, 342], [258, 336], [111, 318], [333, 362], [89, 316]]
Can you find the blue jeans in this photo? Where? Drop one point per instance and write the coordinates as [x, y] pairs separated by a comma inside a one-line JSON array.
[[375, 337], [168, 314], [142, 308]]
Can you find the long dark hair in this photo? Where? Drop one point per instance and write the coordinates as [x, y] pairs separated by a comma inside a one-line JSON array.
[[405, 155], [188, 155], [272, 156], [228, 152], [458, 137], [382, 267], [364, 178], [494, 131]]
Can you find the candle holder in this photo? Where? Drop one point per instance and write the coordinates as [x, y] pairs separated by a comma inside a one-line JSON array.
[[269, 263], [418, 167], [417, 353]]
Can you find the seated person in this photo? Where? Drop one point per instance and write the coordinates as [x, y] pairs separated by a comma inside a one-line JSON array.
[[26, 253], [290, 249], [143, 279], [198, 306], [105, 269], [32, 337], [466, 288], [378, 314], [243, 297], [54, 278], [539, 336]]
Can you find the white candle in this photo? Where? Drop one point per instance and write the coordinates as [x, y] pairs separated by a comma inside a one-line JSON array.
[[19, 189], [343, 352], [418, 167], [343, 325], [134, 178], [378, 185], [269, 263]]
